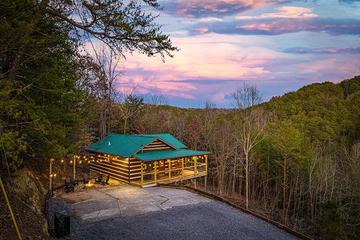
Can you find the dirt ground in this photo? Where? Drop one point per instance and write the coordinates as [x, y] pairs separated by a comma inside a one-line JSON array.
[[30, 222]]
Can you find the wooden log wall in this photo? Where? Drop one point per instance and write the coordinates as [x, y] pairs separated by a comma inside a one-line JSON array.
[[115, 167], [122, 169], [134, 170]]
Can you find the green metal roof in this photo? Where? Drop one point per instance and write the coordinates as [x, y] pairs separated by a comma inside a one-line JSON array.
[[120, 144], [168, 154], [129, 145]]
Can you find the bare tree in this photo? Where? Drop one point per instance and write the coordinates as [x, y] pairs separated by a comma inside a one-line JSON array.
[[157, 100], [251, 125], [98, 72], [130, 108], [108, 63], [246, 96]]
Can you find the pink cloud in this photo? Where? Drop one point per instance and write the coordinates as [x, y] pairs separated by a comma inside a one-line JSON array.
[[201, 30], [256, 26], [201, 58], [207, 57], [328, 65], [283, 12], [204, 8]]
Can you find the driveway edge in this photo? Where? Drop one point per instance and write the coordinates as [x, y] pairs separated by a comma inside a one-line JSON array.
[[218, 198]]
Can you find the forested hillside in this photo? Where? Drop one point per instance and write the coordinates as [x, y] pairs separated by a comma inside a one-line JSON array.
[[304, 168]]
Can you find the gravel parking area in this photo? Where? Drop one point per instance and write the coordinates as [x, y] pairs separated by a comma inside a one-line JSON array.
[[127, 212]]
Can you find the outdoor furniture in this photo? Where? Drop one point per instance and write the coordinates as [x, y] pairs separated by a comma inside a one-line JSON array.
[[98, 179], [148, 177], [102, 179], [105, 180], [69, 186]]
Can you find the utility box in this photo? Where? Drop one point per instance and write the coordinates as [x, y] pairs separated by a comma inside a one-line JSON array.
[[61, 225]]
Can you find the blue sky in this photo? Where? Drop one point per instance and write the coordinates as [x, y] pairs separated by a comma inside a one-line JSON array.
[[278, 45]]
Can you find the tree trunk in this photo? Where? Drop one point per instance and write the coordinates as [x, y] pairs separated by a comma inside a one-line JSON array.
[[284, 189], [247, 179], [234, 178], [125, 125]]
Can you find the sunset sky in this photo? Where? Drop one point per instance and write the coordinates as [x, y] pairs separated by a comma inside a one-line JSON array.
[[279, 45]]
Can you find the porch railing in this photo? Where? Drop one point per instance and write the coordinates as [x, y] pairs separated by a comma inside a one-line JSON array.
[[172, 170]]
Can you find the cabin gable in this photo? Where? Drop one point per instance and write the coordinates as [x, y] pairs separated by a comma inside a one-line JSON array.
[[156, 145]]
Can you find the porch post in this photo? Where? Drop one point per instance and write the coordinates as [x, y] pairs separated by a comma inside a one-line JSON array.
[[206, 171], [169, 168], [155, 174], [182, 167], [51, 177], [74, 168], [195, 167], [206, 164], [142, 174]]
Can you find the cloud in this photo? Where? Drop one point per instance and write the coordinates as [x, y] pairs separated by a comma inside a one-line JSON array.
[[210, 19], [211, 66], [284, 12], [213, 8], [285, 19], [349, 1], [330, 69], [203, 65], [277, 26], [300, 50]]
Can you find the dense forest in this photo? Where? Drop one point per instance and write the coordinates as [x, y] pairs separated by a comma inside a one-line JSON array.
[[294, 159]]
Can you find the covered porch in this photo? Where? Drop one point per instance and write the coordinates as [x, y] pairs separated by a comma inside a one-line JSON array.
[[171, 170]]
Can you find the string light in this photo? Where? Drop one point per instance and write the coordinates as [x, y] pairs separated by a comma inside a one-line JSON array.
[[70, 161], [62, 161]]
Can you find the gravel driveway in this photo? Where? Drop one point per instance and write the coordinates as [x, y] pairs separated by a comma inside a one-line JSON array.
[[127, 212]]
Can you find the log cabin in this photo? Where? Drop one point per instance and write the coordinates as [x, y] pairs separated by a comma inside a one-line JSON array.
[[146, 160]]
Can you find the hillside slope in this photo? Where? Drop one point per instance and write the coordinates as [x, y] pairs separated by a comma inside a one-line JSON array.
[[327, 112]]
